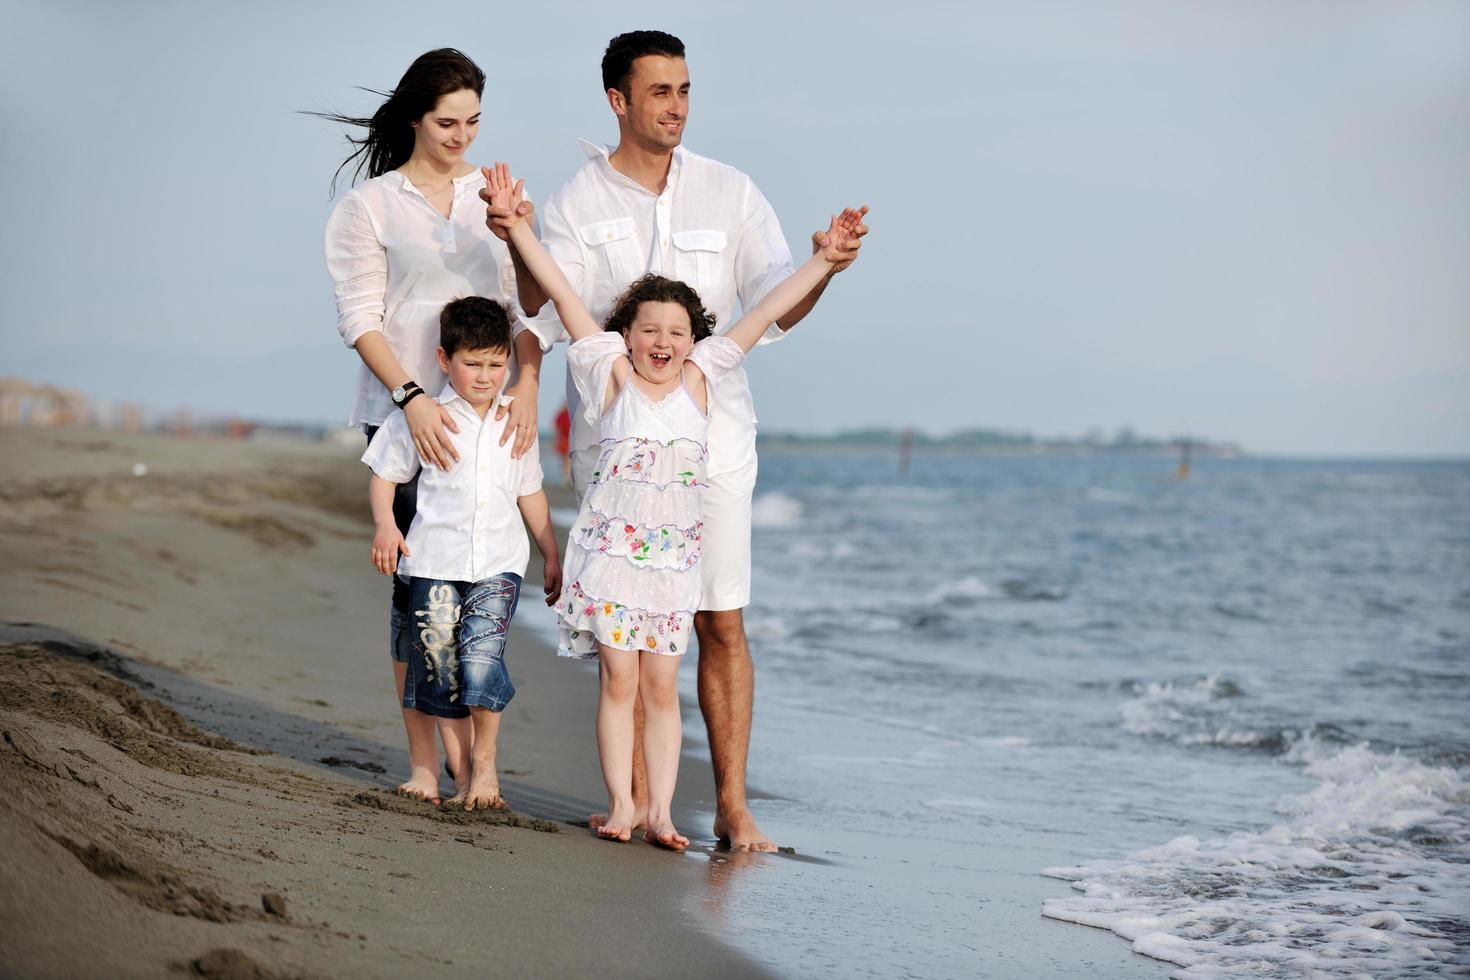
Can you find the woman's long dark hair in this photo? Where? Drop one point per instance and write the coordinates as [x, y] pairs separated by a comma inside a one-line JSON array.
[[389, 140]]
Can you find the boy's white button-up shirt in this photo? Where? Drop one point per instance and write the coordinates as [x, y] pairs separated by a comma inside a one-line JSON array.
[[710, 228], [395, 261], [468, 525]]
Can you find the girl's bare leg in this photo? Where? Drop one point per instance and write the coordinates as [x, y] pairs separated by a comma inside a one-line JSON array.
[[662, 733], [618, 671], [423, 756]]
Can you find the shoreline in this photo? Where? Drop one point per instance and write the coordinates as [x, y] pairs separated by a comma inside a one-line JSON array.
[[253, 829]]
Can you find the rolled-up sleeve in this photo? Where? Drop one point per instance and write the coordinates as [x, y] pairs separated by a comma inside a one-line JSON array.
[[566, 249], [359, 269], [762, 257], [391, 454]]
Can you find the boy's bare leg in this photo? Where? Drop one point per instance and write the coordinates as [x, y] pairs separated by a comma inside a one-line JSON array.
[[455, 734], [640, 774], [659, 687], [615, 696], [726, 697], [484, 791], [423, 755]]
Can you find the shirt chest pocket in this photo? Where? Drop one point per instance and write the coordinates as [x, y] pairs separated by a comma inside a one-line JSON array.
[[613, 253], [699, 260]]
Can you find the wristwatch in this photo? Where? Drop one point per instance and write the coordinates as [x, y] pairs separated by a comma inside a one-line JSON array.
[[405, 393]]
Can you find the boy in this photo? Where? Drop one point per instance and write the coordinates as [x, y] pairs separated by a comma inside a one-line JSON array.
[[465, 552]]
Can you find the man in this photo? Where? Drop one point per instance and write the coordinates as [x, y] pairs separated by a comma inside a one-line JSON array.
[[649, 205]]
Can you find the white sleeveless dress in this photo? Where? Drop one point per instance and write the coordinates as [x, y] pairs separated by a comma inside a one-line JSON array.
[[631, 571]]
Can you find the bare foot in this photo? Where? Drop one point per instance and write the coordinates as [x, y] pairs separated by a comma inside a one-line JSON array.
[[663, 834], [596, 820], [484, 789], [422, 785], [617, 824], [737, 828]]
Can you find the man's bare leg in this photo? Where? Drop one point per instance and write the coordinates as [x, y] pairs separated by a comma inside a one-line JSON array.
[[726, 699], [423, 755], [640, 774]]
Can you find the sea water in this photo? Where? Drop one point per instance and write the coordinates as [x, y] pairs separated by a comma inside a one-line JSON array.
[[1224, 717]]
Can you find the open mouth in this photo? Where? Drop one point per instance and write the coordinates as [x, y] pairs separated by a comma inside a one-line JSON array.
[[660, 360]]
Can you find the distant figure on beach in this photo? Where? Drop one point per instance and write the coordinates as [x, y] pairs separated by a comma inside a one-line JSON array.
[[399, 246], [650, 206], [647, 379], [465, 553], [564, 444]]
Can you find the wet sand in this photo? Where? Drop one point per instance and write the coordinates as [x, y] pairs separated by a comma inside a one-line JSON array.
[[199, 745]]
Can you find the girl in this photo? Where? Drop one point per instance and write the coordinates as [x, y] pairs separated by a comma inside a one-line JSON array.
[[631, 573], [399, 246]]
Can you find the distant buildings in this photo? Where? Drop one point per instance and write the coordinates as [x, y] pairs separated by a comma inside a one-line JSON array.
[[27, 403]]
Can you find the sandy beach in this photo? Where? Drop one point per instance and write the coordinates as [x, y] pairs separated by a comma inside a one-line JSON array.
[[200, 749], [200, 745]]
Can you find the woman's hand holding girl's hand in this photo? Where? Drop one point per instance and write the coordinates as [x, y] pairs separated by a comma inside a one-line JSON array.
[[498, 218], [842, 237], [427, 420], [387, 543], [507, 204]]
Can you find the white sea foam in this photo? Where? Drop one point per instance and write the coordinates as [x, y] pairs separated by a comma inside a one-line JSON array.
[[1365, 876], [1197, 713], [775, 510]]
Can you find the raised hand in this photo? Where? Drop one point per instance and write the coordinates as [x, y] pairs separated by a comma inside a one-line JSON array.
[[840, 242], [506, 204]]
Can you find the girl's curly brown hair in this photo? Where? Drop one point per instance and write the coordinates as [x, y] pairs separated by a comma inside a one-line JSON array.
[[657, 289]]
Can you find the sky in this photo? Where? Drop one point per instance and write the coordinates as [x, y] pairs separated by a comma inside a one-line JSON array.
[[1244, 220]]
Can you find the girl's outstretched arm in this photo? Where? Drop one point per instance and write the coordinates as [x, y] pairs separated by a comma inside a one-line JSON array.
[[779, 301], [505, 195]]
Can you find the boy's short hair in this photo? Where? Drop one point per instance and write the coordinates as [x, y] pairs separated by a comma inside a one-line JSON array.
[[473, 323], [623, 50]]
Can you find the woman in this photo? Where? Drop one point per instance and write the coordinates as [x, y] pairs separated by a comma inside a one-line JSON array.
[[399, 246]]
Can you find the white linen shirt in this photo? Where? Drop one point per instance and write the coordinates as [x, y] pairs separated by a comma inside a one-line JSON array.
[[710, 228], [468, 525], [395, 261]]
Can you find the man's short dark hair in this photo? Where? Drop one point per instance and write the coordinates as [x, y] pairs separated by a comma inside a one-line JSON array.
[[473, 323], [623, 50]]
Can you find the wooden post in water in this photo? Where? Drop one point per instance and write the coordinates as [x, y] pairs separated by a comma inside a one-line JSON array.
[[1182, 470]]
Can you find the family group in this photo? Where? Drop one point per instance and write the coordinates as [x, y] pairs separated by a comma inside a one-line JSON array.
[[450, 286]]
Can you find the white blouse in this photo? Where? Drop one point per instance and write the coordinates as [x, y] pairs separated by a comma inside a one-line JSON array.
[[395, 261], [468, 524]]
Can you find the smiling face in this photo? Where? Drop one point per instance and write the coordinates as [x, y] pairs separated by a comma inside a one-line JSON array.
[[659, 339], [446, 131], [476, 374], [653, 113]]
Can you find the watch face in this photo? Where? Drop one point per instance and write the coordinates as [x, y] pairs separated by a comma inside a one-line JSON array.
[[398, 394]]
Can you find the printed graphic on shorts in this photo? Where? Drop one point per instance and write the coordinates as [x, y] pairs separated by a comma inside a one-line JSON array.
[[438, 626]]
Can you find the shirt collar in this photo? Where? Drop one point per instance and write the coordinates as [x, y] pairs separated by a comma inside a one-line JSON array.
[[455, 402], [599, 153]]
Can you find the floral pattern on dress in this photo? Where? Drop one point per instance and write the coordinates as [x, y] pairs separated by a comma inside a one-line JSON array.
[[640, 461], [592, 621], [664, 547]]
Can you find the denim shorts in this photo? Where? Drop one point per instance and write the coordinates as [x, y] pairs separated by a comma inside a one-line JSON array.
[[457, 644]]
